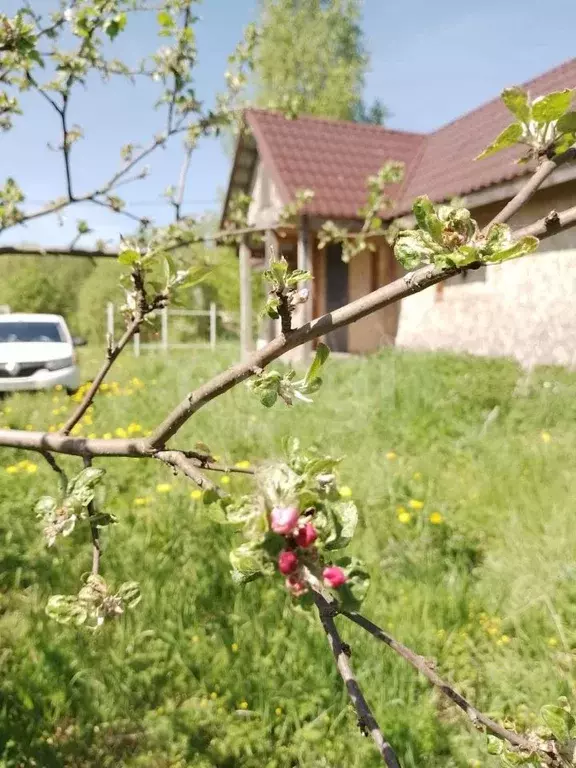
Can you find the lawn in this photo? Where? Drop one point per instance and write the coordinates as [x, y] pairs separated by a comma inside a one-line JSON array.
[[464, 475]]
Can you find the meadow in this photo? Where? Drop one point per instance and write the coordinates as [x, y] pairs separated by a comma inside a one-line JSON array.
[[463, 470]]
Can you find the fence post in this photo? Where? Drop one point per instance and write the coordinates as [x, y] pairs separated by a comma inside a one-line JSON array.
[[213, 324], [164, 329], [110, 320], [137, 344]]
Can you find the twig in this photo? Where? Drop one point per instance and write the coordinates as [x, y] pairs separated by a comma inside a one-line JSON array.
[[92, 513], [57, 468], [366, 719], [66, 145], [111, 356], [177, 460], [179, 197], [544, 170], [424, 667]]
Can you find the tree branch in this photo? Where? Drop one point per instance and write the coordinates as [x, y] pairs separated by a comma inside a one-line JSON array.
[[111, 356], [66, 145], [366, 720], [57, 468], [95, 532], [425, 668]]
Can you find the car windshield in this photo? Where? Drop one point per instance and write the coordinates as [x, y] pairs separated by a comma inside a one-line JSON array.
[[30, 331]]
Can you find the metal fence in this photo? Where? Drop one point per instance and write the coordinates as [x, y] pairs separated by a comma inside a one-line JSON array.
[[216, 320]]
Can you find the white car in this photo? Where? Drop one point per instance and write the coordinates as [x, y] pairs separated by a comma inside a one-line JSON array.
[[37, 352]]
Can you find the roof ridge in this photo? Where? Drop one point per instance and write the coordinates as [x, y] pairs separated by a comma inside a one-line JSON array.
[[485, 104], [333, 121]]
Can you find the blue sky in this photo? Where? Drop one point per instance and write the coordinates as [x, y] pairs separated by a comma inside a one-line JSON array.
[[430, 63]]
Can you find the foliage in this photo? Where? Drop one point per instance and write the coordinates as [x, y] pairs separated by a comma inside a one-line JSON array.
[[448, 236], [44, 284], [310, 57], [545, 125], [140, 692]]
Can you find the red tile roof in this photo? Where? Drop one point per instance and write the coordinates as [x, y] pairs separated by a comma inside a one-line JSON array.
[[334, 157]]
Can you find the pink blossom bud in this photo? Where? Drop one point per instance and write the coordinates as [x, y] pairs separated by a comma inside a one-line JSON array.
[[306, 536], [296, 586], [284, 519], [287, 562], [334, 577]]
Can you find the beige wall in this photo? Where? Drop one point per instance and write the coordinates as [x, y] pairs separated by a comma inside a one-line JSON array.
[[523, 309]]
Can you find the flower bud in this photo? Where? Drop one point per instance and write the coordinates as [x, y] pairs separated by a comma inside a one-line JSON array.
[[306, 536], [283, 520], [296, 586], [334, 577], [287, 562]]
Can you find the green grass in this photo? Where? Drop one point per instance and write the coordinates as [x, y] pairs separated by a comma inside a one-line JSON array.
[[490, 593]]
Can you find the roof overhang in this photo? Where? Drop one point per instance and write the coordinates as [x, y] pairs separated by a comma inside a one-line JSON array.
[[243, 168]]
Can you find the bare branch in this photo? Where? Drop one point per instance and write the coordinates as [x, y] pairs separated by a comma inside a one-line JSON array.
[[66, 145], [425, 668], [57, 468], [366, 720], [179, 196], [178, 461], [96, 548], [111, 356], [544, 170]]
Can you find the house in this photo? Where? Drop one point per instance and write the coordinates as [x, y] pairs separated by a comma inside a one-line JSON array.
[[522, 309]]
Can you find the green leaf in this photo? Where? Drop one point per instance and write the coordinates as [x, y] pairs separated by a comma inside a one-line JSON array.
[[66, 609], [271, 307], [426, 217], [412, 249], [509, 136], [268, 397], [557, 720], [494, 745], [210, 496], [322, 354], [115, 25], [516, 99], [552, 106], [279, 269], [354, 591], [522, 247], [298, 276], [567, 123], [346, 518], [128, 257], [164, 19], [129, 593], [45, 507], [82, 487], [247, 563]]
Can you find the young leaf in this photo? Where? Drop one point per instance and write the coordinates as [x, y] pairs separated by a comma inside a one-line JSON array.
[[516, 100], [247, 563], [129, 593], [268, 397], [344, 516], [322, 354], [521, 247], [412, 249], [557, 720], [354, 591], [81, 488], [128, 257], [45, 507], [567, 123], [552, 106], [66, 609], [509, 136]]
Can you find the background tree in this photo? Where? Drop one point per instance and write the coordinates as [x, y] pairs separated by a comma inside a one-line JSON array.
[[310, 57]]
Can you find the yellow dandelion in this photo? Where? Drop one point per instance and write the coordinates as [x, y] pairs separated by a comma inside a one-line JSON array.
[[244, 464], [243, 705], [417, 475], [546, 437], [136, 382], [31, 468], [504, 640], [345, 491], [52, 428], [234, 647], [55, 411], [29, 427], [134, 428], [147, 433], [404, 517], [415, 504], [195, 639], [213, 695], [436, 518], [225, 480], [163, 488], [129, 391], [141, 501], [278, 711], [196, 494], [88, 420], [12, 469], [216, 457], [107, 435], [120, 432], [58, 387], [76, 429], [552, 642], [391, 455], [92, 436]]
